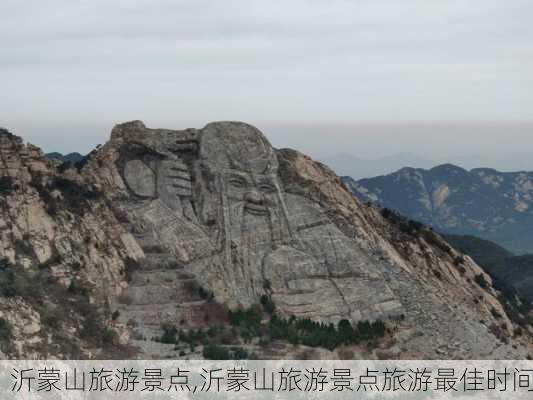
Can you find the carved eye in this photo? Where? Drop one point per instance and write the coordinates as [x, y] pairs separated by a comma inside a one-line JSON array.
[[266, 187], [237, 182]]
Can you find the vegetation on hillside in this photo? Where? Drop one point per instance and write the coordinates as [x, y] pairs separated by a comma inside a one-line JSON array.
[[260, 325], [59, 307], [512, 275]]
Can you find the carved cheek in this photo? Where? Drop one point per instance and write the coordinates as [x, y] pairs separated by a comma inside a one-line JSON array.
[[140, 178], [271, 199], [235, 194]]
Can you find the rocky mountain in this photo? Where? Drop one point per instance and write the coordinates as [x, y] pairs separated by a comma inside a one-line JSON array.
[[493, 205], [70, 157], [181, 243]]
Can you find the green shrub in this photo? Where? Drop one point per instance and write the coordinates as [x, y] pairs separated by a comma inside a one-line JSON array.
[[169, 334], [205, 294], [268, 304], [481, 281], [109, 336], [250, 318], [130, 267], [15, 281], [75, 197], [214, 352], [7, 185], [6, 332], [316, 334]]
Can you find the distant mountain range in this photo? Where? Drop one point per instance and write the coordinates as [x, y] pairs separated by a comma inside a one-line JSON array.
[[72, 157], [493, 205], [357, 168], [361, 167]]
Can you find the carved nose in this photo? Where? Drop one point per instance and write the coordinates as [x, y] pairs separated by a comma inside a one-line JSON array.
[[254, 197]]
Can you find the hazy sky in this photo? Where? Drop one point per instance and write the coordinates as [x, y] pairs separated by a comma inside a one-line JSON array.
[[368, 77]]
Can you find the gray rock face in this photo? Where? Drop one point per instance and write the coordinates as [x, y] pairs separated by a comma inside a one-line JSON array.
[[184, 215], [220, 208], [214, 200]]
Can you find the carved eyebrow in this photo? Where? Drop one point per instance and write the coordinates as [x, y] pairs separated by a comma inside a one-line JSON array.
[[236, 178], [236, 174], [268, 180]]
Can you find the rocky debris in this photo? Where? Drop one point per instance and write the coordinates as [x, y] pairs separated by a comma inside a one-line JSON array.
[[176, 227]]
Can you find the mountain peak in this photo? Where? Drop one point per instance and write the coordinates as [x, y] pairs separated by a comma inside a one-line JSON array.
[[482, 202]]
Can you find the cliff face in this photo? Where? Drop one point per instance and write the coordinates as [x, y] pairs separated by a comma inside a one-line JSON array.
[[493, 205], [171, 227], [62, 256]]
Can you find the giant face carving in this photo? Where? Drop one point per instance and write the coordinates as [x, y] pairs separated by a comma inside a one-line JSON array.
[[257, 193], [244, 167]]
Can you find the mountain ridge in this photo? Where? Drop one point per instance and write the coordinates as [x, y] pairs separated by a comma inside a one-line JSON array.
[[163, 232], [484, 202]]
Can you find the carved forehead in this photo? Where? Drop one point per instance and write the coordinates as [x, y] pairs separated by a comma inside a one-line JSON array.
[[237, 146]]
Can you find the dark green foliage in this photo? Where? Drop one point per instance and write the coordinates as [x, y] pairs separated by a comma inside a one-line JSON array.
[[15, 281], [169, 334], [436, 241], [215, 352], [481, 281], [268, 304], [512, 275], [81, 163], [247, 322], [195, 289], [76, 198], [405, 225], [5, 330], [71, 157], [109, 337], [315, 334], [487, 254], [51, 317], [23, 246], [7, 185], [205, 294], [37, 285], [6, 333], [458, 261], [130, 266], [415, 228], [76, 287], [64, 166], [5, 132]]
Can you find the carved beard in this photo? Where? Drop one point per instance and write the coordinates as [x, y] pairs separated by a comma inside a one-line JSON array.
[[251, 230]]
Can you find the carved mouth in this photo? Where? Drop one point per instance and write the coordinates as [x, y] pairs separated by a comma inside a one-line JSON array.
[[255, 209]]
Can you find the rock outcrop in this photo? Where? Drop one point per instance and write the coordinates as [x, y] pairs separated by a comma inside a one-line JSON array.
[[177, 226]]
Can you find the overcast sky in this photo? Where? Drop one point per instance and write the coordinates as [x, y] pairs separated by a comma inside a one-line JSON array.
[[325, 76]]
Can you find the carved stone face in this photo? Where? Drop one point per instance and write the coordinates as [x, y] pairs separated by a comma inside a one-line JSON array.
[[245, 167], [257, 193]]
